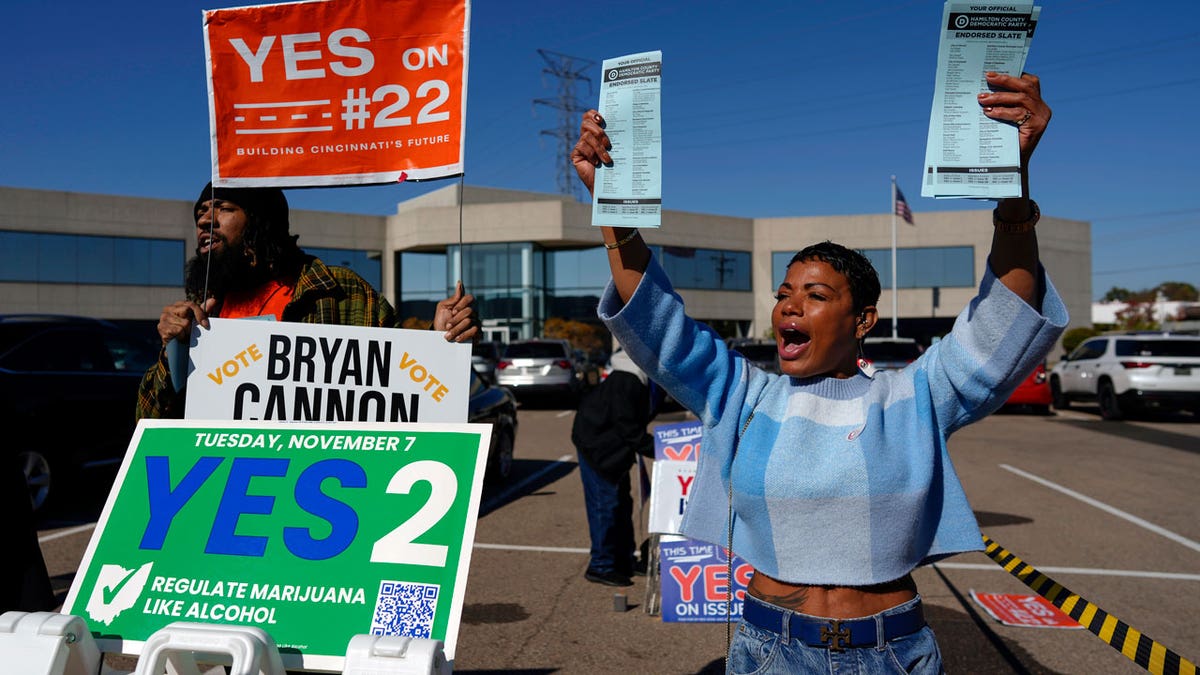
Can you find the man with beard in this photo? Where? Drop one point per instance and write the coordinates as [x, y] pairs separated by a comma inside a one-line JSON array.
[[247, 264]]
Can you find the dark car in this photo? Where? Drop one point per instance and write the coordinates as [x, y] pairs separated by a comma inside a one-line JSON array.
[[68, 387], [490, 404], [484, 357], [760, 353], [886, 353]]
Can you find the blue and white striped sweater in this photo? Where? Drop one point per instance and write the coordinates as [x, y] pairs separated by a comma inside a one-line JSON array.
[[836, 481]]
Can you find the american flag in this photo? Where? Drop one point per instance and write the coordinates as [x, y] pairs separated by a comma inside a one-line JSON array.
[[902, 209]]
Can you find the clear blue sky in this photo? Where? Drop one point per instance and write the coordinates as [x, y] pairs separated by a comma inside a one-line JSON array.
[[801, 108]]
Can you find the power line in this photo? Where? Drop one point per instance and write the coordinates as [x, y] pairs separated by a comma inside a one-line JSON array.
[[1144, 232], [924, 86], [881, 125], [1149, 214], [1147, 269], [1144, 47], [568, 71], [819, 132]]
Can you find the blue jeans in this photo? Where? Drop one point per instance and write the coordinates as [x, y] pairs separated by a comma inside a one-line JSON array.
[[610, 520], [755, 650]]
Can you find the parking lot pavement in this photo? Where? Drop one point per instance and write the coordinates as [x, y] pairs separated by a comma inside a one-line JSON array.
[[529, 610]]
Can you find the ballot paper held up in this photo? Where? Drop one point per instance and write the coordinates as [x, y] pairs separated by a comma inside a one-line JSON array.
[[629, 193], [967, 154]]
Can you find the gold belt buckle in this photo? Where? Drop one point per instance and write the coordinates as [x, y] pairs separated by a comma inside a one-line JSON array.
[[835, 637]]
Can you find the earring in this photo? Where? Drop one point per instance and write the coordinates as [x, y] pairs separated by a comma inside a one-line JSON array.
[[252, 256]]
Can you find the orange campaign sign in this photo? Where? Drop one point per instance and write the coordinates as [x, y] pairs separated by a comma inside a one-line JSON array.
[[337, 92]]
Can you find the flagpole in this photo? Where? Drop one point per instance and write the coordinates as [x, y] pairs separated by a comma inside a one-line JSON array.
[[894, 303]]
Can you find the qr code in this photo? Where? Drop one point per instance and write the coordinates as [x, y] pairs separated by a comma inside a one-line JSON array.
[[404, 608]]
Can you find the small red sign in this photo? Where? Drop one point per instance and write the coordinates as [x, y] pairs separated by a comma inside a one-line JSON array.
[[1031, 611]]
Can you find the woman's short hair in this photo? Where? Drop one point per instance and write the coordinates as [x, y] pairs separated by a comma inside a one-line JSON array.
[[864, 281]]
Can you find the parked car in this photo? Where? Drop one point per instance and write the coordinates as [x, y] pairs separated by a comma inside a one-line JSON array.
[[1034, 391], [490, 404], [887, 353], [663, 402], [1129, 372], [592, 364], [761, 353], [541, 366], [68, 388], [484, 357]]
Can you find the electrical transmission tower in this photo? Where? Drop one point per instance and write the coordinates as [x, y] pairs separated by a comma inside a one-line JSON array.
[[569, 71]]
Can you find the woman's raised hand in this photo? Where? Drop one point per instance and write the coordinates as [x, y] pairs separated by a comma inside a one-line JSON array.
[[592, 148], [1018, 100]]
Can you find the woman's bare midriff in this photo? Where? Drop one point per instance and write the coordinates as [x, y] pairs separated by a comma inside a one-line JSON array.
[[835, 602]]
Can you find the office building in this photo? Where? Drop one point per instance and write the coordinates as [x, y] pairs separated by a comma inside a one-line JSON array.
[[527, 257]]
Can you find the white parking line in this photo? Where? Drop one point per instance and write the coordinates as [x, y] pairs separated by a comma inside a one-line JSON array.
[[66, 533], [540, 549], [982, 567], [504, 496], [1195, 546], [1075, 570], [564, 413]]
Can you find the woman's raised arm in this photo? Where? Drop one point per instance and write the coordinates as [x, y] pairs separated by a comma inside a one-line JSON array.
[[1014, 256], [628, 255]]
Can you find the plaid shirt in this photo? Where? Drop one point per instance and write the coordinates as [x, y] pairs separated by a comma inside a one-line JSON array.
[[333, 295]]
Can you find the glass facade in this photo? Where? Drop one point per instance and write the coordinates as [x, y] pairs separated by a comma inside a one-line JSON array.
[[941, 266], [87, 259], [508, 281], [367, 264], [420, 284], [519, 285], [704, 268]]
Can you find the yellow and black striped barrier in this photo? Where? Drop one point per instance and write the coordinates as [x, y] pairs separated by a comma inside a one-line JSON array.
[[1139, 648]]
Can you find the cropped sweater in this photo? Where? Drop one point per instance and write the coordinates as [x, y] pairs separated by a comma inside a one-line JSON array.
[[843, 482]]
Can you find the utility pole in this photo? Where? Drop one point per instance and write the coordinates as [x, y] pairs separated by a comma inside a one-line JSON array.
[[568, 71], [723, 268]]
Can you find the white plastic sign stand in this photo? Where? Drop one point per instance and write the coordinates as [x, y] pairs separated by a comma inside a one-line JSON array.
[[181, 644], [371, 654], [46, 643]]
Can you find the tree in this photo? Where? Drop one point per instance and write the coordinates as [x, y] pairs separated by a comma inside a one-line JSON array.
[[416, 323], [1178, 290], [1137, 316], [1171, 290], [584, 336], [1117, 294]]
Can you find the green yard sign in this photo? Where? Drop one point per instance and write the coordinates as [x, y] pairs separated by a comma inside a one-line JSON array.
[[312, 532]]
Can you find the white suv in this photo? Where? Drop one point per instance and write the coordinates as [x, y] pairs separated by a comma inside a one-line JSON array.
[[1135, 370]]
